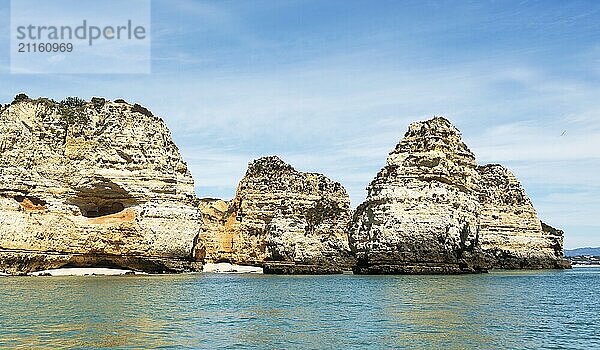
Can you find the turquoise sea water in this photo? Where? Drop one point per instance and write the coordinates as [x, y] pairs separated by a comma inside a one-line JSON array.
[[527, 309]]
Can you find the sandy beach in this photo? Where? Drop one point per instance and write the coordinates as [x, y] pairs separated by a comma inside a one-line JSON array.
[[230, 268]]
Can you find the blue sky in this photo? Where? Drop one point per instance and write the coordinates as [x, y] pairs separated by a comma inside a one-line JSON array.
[[331, 86]]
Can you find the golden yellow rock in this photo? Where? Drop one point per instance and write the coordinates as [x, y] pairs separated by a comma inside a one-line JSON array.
[[431, 209], [93, 184], [282, 219]]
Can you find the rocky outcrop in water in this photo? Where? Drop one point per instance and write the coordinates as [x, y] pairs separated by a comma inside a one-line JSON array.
[[102, 184], [431, 209], [92, 184], [510, 234], [285, 220], [420, 215]]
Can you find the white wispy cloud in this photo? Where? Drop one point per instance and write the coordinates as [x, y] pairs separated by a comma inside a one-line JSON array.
[[337, 98]]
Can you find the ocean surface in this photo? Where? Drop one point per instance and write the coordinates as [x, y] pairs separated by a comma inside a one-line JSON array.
[[516, 310]]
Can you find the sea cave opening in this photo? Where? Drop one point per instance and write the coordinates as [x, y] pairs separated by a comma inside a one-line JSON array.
[[100, 197], [95, 211]]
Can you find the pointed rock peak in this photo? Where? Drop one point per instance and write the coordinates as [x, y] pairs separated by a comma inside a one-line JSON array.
[[434, 135], [434, 126], [269, 164]]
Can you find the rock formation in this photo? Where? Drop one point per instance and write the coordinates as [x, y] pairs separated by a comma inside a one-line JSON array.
[[420, 215], [285, 220], [215, 242], [431, 209], [102, 184], [510, 234], [92, 184]]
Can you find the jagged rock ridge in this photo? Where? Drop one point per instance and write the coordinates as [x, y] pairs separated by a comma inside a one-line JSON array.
[[431, 209], [286, 220], [92, 184], [102, 184]]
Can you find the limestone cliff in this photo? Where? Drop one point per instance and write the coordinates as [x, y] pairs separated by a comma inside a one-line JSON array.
[[101, 183], [215, 242], [420, 215], [510, 234], [431, 209], [92, 184], [288, 221]]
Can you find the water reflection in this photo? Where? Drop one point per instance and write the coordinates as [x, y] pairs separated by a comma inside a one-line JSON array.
[[497, 310]]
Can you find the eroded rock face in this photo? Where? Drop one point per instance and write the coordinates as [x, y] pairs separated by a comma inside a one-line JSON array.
[[431, 209], [285, 220], [102, 184], [215, 242], [420, 215], [510, 234], [92, 184]]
